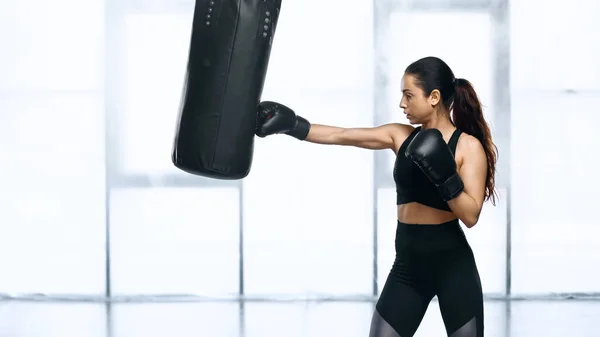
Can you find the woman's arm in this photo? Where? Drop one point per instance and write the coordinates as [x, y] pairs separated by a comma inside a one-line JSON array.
[[462, 189], [375, 138], [276, 118], [473, 172]]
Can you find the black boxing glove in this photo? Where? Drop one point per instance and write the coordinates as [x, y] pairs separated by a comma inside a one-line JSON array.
[[431, 154], [275, 118]]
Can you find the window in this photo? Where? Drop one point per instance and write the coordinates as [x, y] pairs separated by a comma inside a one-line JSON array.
[[309, 53], [554, 221], [196, 319], [546, 54], [308, 319], [50, 318], [52, 194], [558, 318], [154, 64], [553, 139], [308, 210], [54, 45], [175, 241]]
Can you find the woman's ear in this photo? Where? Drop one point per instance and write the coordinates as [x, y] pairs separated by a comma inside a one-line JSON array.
[[434, 98]]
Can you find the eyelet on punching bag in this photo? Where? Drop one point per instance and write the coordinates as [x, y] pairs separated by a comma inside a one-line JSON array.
[[227, 64]]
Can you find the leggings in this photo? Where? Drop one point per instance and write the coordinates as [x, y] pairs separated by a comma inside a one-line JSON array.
[[431, 260]]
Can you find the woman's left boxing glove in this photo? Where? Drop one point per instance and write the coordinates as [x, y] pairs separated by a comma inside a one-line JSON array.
[[431, 154]]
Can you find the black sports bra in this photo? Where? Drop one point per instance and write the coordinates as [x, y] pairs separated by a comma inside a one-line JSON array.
[[412, 185]]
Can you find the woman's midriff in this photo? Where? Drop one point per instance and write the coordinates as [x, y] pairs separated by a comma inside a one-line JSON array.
[[415, 213]]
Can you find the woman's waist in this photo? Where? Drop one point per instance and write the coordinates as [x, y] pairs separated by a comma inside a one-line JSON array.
[[416, 213], [429, 238]]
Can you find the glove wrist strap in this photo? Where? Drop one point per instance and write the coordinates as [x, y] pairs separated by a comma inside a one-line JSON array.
[[451, 188], [301, 129]]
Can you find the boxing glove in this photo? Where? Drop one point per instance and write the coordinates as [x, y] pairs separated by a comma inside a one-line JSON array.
[[275, 118], [431, 154]]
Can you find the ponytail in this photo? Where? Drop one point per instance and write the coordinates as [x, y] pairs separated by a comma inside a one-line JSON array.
[[467, 115]]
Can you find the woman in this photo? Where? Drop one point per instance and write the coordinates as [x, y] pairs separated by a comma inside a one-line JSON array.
[[444, 171]]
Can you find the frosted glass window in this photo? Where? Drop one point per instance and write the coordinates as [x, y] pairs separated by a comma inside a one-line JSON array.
[[553, 318], [155, 58], [313, 50], [554, 218], [308, 209], [52, 45], [52, 237], [175, 241], [548, 54], [401, 47], [307, 319], [188, 319], [85, 319]]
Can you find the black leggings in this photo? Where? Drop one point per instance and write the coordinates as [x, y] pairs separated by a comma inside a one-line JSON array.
[[430, 260]]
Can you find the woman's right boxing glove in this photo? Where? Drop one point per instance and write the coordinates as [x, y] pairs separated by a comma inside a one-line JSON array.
[[275, 118]]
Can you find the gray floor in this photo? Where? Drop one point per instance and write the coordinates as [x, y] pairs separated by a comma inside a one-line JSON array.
[[269, 319]]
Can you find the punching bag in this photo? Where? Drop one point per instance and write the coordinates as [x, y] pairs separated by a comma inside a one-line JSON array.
[[227, 64]]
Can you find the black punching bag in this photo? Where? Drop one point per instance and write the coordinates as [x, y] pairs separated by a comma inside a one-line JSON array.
[[227, 64]]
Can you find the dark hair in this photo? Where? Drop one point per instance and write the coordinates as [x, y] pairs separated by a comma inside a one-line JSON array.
[[458, 95]]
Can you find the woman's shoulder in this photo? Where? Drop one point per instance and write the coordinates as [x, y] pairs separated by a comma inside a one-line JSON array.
[[400, 133], [402, 129], [468, 145], [467, 141]]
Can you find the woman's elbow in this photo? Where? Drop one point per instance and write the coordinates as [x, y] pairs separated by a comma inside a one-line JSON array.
[[471, 220]]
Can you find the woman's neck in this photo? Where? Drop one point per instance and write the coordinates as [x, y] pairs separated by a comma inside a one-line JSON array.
[[438, 121]]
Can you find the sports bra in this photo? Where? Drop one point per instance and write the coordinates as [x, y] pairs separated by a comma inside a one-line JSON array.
[[412, 185]]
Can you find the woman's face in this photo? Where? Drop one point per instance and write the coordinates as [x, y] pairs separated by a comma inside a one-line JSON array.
[[415, 104]]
